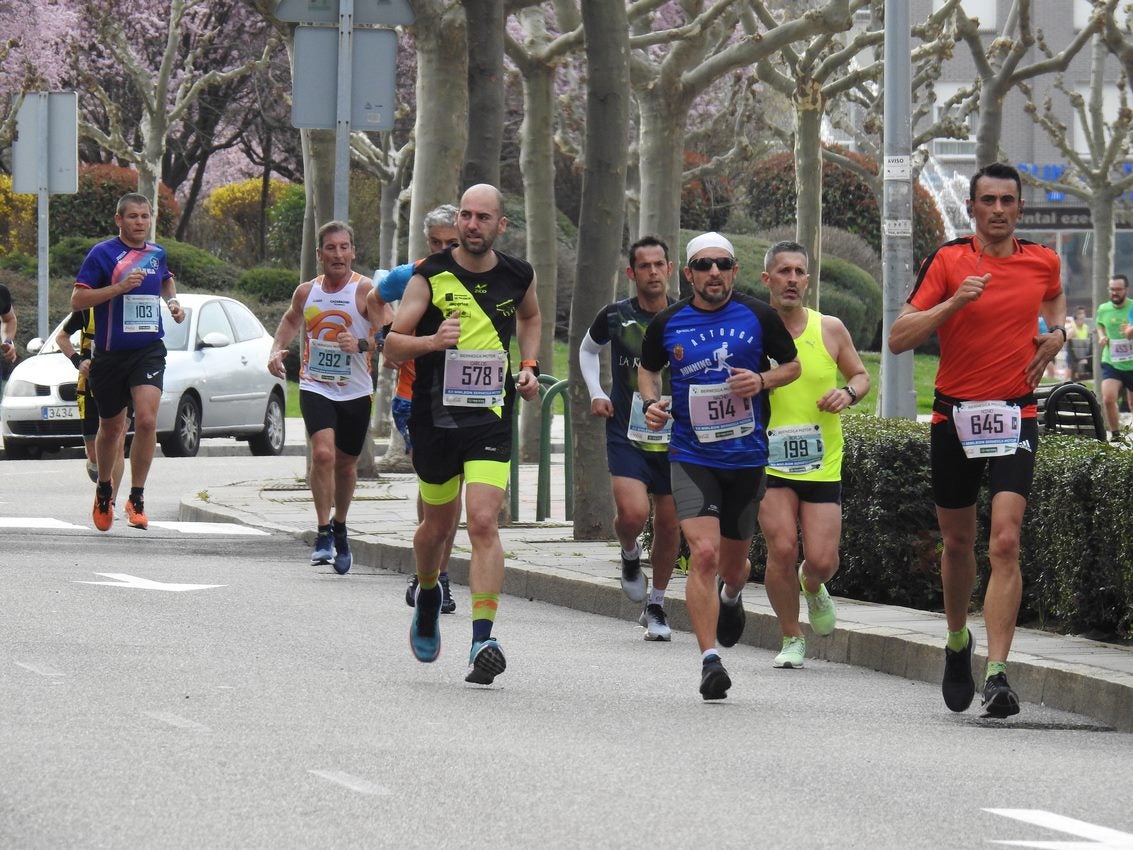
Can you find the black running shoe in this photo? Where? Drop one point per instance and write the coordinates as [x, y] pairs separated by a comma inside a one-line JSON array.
[[730, 622], [958, 686], [411, 592], [448, 604], [714, 679], [999, 700]]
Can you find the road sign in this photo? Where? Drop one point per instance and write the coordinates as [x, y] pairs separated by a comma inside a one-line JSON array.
[[373, 77], [390, 13], [58, 136]]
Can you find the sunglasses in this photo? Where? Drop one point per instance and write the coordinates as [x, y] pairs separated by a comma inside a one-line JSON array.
[[704, 264]]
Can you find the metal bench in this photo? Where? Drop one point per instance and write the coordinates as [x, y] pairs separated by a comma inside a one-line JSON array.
[[1069, 408]]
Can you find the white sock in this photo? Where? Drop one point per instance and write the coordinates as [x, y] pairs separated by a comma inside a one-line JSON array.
[[657, 596], [635, 552], [708, 653], [725, 598]]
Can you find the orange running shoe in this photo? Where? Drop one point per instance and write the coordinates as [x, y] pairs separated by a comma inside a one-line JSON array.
[[103, 512], [136, 513]]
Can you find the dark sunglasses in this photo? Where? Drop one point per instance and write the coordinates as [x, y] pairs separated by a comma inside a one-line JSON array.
[[704, 264]]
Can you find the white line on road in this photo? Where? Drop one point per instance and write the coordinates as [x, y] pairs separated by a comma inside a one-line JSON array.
[[354, 783], [175, 720], [40, 669], [1097, 837], [23, 522], [210, 528], [135, 583]]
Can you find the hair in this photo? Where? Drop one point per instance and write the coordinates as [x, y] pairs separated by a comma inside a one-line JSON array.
[[128, 200], [1124, 280], [784, 247], [998, 171], [442, 216], [1081, 308], [646, 242], [335, 227]]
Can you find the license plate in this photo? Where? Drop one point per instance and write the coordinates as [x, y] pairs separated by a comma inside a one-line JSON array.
[[60, 411]]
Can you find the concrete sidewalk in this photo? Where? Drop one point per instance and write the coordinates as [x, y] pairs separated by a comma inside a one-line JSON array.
[[545, 563]]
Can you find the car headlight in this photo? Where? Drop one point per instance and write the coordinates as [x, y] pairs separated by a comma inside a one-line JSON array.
[[19, 388]]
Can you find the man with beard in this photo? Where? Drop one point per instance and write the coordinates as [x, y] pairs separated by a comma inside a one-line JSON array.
[[1115, 339]]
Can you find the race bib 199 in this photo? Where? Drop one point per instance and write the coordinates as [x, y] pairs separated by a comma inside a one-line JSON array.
[[716, 413], [474, 378], [987, 428], [795, 449]]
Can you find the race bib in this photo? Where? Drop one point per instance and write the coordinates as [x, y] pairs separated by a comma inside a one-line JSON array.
[[795, 449], [638, 431], [1120, 350], [327, 362], [716, 413], [987, 428], [474, 378], [140, 313]]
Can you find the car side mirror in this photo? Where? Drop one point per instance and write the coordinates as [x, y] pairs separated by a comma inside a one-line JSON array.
[[214, 339], [34, 345]]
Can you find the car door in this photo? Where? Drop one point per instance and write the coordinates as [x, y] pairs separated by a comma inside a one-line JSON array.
[[251, 346], [224, 393]]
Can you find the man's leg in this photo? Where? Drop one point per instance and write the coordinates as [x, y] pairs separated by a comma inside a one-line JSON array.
[[441, 511], [146, 400], [666, 541], [631, 501], [111, 435], [1110, 389], [703, 537], [345, 482], [485, 579], [957, 563], [778, 520], [1005, 585], [322, 474]]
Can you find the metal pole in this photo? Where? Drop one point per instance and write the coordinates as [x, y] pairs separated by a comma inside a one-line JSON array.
[[42, 179], [342, 123], [898, 397]]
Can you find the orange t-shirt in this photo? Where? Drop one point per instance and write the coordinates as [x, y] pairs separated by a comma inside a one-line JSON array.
[[985, 348]]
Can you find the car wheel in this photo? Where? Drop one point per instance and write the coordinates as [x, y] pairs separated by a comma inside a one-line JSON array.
[[185, 439], [270, 440]]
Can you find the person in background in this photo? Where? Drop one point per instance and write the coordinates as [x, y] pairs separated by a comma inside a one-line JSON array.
[[1115, 340], [7, 326]]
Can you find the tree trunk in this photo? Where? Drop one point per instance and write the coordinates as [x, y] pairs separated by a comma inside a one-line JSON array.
[[601, 223], [661, 166], [809, 108], [319, 171], [485, 20]]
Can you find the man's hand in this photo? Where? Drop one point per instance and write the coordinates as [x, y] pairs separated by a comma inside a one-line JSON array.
[[602, 407], [657, 415], [971, 288], [745, 383], [347, 342], [176, 310], [1047, 347], [132, 281], [448, 334], [8, 351], [835, 401], [527, 384], [275, 363]]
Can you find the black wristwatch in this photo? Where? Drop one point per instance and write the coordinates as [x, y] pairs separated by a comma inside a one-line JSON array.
[[363, 344], [853, 395], [77, 359], [646, 404]]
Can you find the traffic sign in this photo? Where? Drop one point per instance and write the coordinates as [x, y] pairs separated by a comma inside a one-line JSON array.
[[315, 82], [55, 134], [390, 13]]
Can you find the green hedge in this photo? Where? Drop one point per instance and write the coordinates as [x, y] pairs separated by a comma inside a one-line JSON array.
[[194, 269], [269, 284]]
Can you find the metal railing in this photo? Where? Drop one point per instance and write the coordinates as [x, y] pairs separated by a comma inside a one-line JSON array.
[[550, 388]]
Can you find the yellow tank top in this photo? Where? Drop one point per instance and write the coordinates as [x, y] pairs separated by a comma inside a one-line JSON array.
[[805, 443]]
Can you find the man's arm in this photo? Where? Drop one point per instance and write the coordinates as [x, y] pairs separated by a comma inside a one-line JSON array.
[[649, 385], [1047, 345], [402, 343], [850, 367], [527, 333], [914, 325], [169, 293], [8, 335], [289, 325], [591, 368]]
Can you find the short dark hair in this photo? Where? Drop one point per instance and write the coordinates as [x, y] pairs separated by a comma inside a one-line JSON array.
[[998, 171], [131, 199], [784, 247], [646, 242], [1120, 277], [335, 227]]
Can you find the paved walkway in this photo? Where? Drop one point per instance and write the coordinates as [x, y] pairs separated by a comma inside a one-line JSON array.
[[545, 563]]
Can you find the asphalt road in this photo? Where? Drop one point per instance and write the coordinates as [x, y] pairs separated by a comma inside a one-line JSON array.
[[266, 703]]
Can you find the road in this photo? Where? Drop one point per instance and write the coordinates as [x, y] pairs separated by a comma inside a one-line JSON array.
[[205, 687]]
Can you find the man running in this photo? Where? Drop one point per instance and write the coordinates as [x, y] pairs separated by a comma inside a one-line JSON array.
[[1115, 340]]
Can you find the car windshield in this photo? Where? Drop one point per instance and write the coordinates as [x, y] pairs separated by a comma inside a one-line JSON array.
[[176, 335]]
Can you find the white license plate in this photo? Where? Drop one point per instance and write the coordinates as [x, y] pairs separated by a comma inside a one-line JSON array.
[[60, 411]]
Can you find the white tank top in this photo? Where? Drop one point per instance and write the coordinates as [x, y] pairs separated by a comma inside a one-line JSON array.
[[327, 370]]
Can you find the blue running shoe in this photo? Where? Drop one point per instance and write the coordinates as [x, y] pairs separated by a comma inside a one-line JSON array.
[[425, 630], [342, 557], [485, 662], [324, 550]]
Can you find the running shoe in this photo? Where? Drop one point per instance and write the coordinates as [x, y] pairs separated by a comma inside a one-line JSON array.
[[92, 472], [136, 513], [103, 512], [730, 623], [448, 604], [958, 686], [999, 700], [714, 679], [425, 631], [485, 662], [820, 608], [411, 592], [324, 549], [655, 623], [342, 557], [792, 655], [633, 579]]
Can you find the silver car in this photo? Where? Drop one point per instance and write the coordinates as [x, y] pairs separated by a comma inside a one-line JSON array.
[[216, 385]]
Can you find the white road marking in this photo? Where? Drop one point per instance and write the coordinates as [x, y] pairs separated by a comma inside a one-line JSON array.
[[354, 783], [210, 528], [175, 720], [135, 583], [1097, 837], [38, 522], [40, 669]]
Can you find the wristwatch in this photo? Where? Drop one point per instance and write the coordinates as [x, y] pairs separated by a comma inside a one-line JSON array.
[[533, 365], [363, 344], [853, 395]]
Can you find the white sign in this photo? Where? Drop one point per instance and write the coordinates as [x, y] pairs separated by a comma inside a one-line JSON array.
[[898, 227], [123, 580], [373, 70], [61, 144], [390, 13], [898, 167]]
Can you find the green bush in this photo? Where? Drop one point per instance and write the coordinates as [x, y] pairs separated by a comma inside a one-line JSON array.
[[285, 227], [193, 268], [268, 284], [231, 219], [20, 263], [90, 211]]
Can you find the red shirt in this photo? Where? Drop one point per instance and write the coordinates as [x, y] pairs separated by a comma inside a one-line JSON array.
[[985, 347]]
